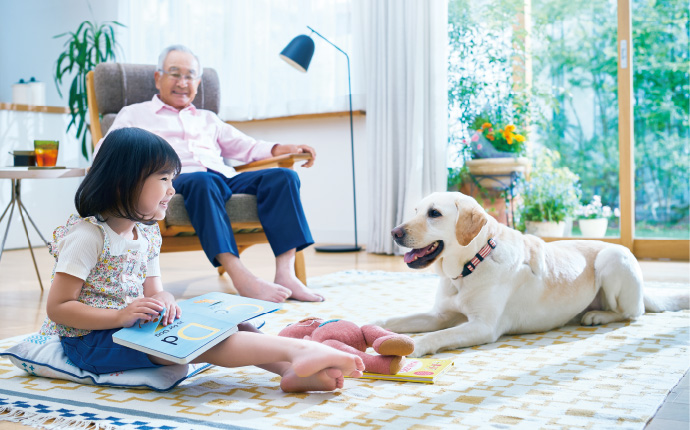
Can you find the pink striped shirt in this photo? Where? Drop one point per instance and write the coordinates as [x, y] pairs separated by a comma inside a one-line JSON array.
[[199, 137]]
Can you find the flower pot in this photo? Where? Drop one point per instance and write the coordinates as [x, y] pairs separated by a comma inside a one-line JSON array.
[[483, 148], [491, 199], [497, 173], [545, 228], [593, 227]]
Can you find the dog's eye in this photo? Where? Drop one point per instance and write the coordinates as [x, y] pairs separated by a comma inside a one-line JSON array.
[[433, 213]]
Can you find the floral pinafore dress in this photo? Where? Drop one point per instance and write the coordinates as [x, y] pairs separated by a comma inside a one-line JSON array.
[[115, 280]]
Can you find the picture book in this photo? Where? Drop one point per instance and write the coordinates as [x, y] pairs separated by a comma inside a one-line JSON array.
[[425, 370], [205, 321]]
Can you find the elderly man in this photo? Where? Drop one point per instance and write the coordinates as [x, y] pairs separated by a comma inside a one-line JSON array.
[[201, 140]]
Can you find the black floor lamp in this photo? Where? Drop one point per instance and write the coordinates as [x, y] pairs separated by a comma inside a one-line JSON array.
[[298, 53]]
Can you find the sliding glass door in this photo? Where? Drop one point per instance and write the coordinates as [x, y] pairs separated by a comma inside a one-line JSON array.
[[608, 86], [575, 88], [661, 122]]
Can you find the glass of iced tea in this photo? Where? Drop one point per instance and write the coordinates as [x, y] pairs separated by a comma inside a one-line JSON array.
[[46, 152]]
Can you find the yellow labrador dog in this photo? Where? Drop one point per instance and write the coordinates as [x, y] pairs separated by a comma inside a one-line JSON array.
[[495, 280]]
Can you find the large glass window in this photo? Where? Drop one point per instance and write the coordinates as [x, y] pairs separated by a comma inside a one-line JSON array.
[[559, 64], [662, 105], [575, 64]]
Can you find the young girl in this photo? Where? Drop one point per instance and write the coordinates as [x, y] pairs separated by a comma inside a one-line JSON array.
[[107, 275]]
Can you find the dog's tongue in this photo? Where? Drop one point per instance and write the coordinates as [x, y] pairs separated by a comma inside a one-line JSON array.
[[416, 253]]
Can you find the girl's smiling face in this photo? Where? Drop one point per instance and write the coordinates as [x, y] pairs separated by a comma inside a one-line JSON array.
[[155, 195]]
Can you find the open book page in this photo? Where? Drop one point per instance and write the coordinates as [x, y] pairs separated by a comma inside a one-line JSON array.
[[205, 321]]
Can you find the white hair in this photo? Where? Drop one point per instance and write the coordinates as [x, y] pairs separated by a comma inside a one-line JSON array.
[[180, 48]]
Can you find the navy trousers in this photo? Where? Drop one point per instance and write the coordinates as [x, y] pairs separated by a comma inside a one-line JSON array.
[[278, 203]]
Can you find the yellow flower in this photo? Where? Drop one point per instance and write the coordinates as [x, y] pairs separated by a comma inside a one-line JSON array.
[[519, 138], [510, 127]]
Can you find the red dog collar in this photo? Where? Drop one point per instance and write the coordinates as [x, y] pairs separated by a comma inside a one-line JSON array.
[[469, 267]]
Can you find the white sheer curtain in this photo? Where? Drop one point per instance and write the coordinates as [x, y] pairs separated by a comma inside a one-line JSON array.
[[407, 102], [242, 39]]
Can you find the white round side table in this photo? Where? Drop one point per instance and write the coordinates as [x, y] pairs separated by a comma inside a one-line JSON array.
[[16, 174]]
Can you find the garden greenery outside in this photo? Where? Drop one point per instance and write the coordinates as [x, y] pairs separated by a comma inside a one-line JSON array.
[[571, 104]]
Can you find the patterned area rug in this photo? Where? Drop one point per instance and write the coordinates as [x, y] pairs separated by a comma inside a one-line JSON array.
[[613, 376]]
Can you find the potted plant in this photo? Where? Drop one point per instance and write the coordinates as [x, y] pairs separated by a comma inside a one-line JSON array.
[[91, 44], [499, 141], [496, 153], [548, 198], [593, 217]]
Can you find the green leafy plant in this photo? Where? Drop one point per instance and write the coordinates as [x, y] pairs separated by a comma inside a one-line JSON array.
[[487, 47], [91, 44], [551, 193]]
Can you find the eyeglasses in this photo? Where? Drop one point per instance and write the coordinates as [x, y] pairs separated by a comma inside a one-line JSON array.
[[177, 76]]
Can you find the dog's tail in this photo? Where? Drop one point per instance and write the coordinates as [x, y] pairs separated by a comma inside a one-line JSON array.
[[666, 300]]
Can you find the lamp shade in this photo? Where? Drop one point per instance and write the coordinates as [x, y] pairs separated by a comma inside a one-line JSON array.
[[298, 52]]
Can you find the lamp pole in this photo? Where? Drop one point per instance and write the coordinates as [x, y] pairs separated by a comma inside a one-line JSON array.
[[345, 248]]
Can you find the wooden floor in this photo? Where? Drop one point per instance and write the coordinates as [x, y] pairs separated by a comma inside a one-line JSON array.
[[187, 274]]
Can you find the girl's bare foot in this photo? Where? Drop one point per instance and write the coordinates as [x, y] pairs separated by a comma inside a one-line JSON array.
[[298, 290], [324, 380], [314, 357]]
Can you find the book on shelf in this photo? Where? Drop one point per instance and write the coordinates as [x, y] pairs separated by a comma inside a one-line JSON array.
[[205, 321], [425, 370]]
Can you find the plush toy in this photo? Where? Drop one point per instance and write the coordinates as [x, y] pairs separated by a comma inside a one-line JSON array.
[[349, 337]]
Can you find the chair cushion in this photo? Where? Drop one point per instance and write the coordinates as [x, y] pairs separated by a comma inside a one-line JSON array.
[[107, 121], [119, 85], [240, 208]]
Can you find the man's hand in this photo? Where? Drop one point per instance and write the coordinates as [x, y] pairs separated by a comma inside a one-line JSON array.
[[279, 149]]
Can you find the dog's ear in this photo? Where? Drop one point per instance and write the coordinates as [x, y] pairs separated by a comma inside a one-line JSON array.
[[468, 224]]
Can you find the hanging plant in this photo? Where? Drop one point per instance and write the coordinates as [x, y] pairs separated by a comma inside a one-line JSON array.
[[84, 49]]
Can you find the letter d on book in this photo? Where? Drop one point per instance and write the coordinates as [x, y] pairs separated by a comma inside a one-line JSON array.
[[196, 331]]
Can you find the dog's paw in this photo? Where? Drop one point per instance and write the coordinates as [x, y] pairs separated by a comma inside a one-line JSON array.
[[595, 318], [416, 354], [600, 317], [421, 348]]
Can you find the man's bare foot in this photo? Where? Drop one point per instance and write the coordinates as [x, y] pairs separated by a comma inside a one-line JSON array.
[[324, 380], [263, 290], [249, 285], [314, 357], [298, 290]]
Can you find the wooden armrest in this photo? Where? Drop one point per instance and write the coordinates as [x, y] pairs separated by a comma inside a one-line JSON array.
[[285, 160]]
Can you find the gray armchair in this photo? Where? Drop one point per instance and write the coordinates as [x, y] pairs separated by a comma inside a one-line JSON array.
[[112, 86]]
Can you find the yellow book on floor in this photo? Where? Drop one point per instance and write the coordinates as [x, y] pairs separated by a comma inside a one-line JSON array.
[[425, 370]]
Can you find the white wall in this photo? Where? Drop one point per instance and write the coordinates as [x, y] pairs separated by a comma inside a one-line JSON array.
[[27, 46], [28, 49], [327, 186]]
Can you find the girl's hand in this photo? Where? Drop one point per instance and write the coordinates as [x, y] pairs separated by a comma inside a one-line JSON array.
[[143, 308], [172, 311]]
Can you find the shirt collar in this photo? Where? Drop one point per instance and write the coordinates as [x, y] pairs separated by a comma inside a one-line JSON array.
[[160, 105]]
